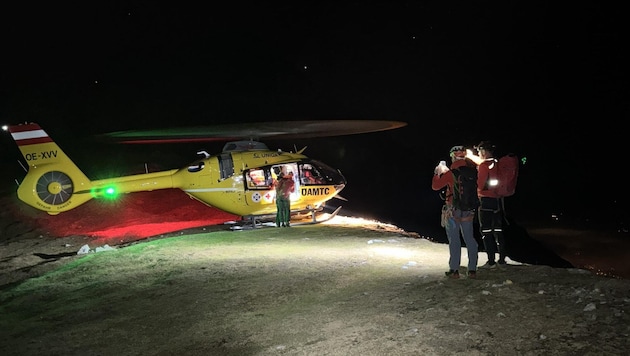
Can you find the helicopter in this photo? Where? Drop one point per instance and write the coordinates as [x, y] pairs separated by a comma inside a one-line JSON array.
[[238, 180]]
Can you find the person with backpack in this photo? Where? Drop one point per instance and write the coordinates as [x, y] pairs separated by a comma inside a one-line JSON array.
[[491, 208], [458, 212], [285, 185]]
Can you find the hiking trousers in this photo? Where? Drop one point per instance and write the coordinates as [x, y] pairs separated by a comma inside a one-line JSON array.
[[283, 214], [491, 228], [460, 225]]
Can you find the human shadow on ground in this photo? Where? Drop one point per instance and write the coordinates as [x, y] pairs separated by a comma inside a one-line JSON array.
[[521, 247]]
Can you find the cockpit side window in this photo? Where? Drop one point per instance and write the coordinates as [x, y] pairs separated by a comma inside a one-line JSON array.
[[226, 165], [309, 174]]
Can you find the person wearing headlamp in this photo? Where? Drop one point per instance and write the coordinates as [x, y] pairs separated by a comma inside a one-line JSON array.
[[456, 218], [490, 211]]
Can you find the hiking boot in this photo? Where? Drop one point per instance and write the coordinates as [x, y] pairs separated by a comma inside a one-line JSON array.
[[452, 274], [472, 274], [489, 265]]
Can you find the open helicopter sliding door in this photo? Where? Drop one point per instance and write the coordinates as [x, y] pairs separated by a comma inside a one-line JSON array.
[[295, 195]]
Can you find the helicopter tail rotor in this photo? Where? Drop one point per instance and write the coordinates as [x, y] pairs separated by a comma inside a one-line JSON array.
[[53, 183]]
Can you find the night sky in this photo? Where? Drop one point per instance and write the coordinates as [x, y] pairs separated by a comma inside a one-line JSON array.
[[548, 82]]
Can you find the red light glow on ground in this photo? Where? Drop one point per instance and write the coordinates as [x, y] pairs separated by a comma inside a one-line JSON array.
[[135, 216]]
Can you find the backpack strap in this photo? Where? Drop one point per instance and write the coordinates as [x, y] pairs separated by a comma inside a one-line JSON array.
[[444, 193]]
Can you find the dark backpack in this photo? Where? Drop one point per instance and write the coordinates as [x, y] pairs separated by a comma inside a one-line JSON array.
[[465, 188]]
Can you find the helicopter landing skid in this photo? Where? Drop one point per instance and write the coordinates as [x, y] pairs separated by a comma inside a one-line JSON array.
[[314, 218], [255, 222]]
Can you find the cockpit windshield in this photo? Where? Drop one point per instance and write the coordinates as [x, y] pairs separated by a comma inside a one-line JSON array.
[[313, 172]]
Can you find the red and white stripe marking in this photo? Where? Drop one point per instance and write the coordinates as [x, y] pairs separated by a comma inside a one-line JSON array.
[[28, 134]]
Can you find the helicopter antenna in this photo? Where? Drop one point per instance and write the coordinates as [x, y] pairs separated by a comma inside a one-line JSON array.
[[21, 165]]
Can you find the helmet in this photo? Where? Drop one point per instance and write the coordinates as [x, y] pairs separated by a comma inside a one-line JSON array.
[[457, 152], [486, 145]]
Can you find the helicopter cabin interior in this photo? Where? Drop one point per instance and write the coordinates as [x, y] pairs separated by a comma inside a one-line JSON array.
[[263, 177]]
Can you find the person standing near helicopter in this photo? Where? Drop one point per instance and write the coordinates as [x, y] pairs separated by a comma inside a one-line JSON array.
[[456, 219], [285, 185], [491, 209]]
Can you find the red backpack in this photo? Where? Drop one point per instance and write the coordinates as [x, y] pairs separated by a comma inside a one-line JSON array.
[[507, 174]]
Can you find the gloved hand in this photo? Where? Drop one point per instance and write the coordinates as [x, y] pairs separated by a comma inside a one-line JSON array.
[[440, 168]]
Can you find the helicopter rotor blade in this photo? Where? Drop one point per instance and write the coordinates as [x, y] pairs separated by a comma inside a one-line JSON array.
[[255, 131]]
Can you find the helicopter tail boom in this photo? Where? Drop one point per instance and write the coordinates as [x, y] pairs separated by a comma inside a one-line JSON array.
[[55, 184]]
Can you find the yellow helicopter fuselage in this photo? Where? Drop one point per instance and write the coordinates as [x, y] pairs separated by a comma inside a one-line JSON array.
[[239, 181]]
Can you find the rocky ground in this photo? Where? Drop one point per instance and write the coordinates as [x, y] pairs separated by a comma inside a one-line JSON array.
[[300, 302]]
